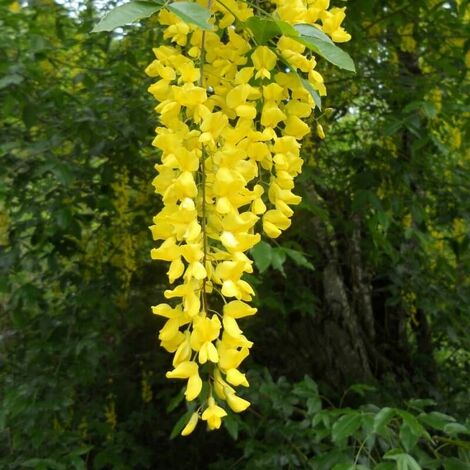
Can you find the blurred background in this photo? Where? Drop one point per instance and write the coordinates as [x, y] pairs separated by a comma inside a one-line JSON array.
[[362, 342]]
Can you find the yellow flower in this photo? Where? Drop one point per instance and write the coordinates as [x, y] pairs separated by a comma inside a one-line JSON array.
[[264, 61], [236, 403], [236, 378], [205, 330], [275, 222], [272, 115], [331, 21], [238, 309], [213, 414], [407, 44], [230, 356], [188, 370], [189, 95], [296, 127], [183, 352], [14, 7]]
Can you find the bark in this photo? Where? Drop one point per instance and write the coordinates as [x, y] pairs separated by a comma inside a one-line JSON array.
[[362, 289], [340, 351]]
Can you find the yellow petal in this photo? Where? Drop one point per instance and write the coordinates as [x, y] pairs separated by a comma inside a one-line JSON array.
[[191, 425], [172, 345], [176, 270], [236, 403], [238, 309], [231, 327], [169, 330], [212, 353], [228, 239], [229, 289], [246, 111], [203, 355], [271, 230], [183, 353], [164, 310], [223, 205], [198, 270], [183, 371], [193, 388], [236, 378], [258, 206], [296, 127]]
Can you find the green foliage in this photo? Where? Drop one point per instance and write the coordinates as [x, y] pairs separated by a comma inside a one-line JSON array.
[[265, 256], [370, 286], [293, 429], [125, 14], [322, 45], [133, 11], [192, 13], [265, 29]]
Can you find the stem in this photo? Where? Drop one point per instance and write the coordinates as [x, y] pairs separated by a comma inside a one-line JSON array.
[[205, 304]]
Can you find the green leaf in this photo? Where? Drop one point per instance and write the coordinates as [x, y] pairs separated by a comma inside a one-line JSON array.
[[230, 423], [346, 426], [278, 260], [298, 258], [455, 464], [192, 13], [404, 461], [286, 29], [429, 110], [13, 79], [312, 31], [264, 29], [176, 400], [315, 40], [125, 14], [456, 428], [436, 420], [262, 254], [82, 450], [316, 97], [415, 426], [362, 389], [382, 418], [407, 437], [421, 404]]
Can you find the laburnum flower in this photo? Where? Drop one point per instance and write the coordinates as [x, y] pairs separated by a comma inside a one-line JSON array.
[[231, 117], [188, 370], [204, 333], [331, 22], [213, 414], [264, 60]]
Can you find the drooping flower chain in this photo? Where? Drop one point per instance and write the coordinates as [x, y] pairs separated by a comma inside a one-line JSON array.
[[231, 118]]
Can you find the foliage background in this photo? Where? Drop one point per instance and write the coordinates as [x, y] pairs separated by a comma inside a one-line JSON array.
[[365, 336]]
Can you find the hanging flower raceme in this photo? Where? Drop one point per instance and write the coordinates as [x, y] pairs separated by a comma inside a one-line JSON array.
[[231, 116]]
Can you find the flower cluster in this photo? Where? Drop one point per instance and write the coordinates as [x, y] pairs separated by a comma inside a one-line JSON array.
[[231, 117]]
